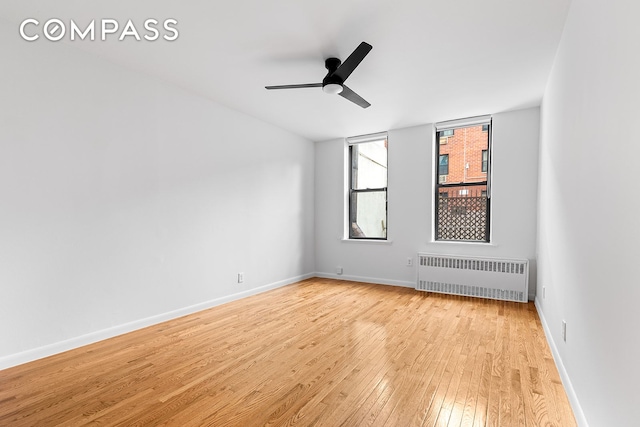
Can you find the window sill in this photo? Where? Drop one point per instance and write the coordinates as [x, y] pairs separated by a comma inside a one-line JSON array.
[[451, 242], [374, 242]]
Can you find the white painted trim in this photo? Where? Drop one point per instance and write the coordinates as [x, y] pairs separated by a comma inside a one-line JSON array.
[[564, 375], [352, 140], [368, 241], [463, 123], [90, 338], [460, 243], [373, 280]]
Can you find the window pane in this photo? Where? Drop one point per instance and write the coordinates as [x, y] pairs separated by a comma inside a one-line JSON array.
[[484, 160], [462, 213], [368, 214], [464, 155], [369, 165], [443, 168]]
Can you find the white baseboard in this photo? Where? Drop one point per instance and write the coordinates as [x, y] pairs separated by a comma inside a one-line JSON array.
[[90, 338], [367, 280], [564, 376]]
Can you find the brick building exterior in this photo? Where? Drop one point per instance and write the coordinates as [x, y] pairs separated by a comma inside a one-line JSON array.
[[463, 159]]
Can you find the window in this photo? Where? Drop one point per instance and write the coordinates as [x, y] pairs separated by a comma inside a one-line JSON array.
[[444, 136], [443, 165], [463, 199], [485, 159], [368, 187]]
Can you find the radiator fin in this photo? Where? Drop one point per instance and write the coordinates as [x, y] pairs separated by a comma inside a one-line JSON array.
[[502, 279], [471, 291]]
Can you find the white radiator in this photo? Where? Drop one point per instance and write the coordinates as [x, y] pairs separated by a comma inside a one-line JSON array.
[[503, 279]]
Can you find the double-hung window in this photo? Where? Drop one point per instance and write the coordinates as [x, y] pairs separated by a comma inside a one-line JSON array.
[[368, 187], [463, 180]]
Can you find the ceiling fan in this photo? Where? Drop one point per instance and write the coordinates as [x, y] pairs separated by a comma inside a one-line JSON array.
[[333, 82]]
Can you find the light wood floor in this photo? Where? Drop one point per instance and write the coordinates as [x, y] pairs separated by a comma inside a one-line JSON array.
[[319, 352]]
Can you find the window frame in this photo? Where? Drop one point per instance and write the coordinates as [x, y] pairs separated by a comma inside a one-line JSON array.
[[458, 124], [351, 142]]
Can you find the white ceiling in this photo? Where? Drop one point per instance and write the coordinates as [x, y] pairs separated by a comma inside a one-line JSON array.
[[432, 60]]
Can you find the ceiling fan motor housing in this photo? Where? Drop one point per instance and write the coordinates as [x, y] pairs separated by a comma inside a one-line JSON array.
[[332, 84]]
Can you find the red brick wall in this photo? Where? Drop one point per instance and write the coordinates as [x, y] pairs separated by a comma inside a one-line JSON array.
[[465, 148]]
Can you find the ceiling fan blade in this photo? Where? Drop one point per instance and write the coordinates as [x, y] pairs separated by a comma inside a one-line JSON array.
[[350, 64], [353, 97], [294, 86]]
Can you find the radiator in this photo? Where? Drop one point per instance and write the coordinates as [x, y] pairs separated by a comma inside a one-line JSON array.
[[503, 279]]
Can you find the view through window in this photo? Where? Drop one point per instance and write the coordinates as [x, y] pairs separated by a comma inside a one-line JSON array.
[[462, 193], [368, 189]]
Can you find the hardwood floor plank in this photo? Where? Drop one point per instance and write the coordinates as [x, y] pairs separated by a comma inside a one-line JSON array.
[[319, 352], [438, 410], [482, 405], [412, 401], [471, 401]]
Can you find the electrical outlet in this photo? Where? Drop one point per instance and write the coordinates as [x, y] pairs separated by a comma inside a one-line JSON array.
[[338, 270], [240, 277], [564, 330], [409, 262]]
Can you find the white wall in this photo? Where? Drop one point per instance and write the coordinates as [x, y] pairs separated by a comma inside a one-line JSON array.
[[410, 229], [588, 210], [123, 199]]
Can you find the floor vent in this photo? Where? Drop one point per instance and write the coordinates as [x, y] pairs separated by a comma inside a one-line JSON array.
[[503, 279]]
